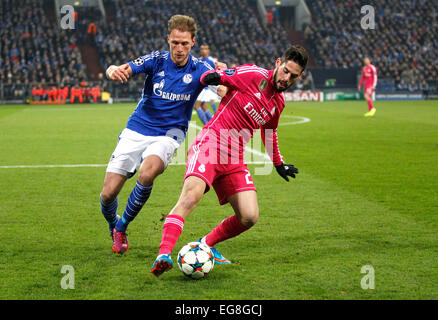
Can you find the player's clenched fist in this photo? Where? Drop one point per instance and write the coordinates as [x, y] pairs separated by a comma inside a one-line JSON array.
[[119, 73]]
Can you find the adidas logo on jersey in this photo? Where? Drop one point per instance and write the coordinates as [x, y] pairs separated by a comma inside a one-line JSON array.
[[273, 110], [161, 74], [258, 95]]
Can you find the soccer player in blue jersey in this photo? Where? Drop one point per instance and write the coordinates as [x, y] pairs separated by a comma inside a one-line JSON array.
[[207, 95], [157, 126]]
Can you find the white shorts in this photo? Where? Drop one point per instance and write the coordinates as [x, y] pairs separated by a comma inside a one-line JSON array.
[[207, 95], [133, 147]]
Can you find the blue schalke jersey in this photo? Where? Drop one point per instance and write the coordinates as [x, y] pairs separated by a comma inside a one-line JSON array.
[[168, 95], [209, 60]]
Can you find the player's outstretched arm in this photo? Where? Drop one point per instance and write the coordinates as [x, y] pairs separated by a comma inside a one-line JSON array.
[[119, 73]]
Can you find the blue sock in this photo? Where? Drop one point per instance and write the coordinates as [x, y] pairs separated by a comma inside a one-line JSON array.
[[110, 212], [208, 115], [213, 106], [137, 199], [201, 115]]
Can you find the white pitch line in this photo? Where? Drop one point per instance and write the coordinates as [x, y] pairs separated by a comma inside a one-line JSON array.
[[55, 166], [302, 120]]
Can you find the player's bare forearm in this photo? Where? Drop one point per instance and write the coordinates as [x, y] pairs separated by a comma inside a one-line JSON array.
[[119, 73]]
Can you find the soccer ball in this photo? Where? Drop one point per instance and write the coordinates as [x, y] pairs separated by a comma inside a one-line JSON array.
[[195, 260]]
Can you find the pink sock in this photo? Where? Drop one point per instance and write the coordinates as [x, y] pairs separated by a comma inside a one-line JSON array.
[[370, 104], [227, 229], [172, 228]]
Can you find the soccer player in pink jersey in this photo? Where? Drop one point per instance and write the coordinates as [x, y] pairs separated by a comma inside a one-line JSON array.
[[254, 100], [369, 76]]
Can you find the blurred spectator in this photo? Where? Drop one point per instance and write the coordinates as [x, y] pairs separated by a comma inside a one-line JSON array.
[[305, 83], [102, 83], [76, 92], [298, 86], [424, 87], [62, 93], [269, 16], [412, 87], [95, 93], [402, 85], [308, 83]]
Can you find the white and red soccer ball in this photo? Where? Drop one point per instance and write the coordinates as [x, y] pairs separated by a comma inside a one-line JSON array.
[[195, 260]]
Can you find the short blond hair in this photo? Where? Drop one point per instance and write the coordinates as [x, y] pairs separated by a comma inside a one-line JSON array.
[[182, 23]]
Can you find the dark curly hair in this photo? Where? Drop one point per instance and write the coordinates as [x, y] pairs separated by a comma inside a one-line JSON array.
[[297, 54]]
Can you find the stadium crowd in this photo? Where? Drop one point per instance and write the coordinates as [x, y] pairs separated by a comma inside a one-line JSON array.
[[35, 50], [230, 27], [402, 45]]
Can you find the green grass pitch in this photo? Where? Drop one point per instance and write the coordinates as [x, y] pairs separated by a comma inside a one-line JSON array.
[[367, 194]]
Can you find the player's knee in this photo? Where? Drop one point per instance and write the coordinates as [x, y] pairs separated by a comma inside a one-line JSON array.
[[250, 218], [108, 196], [146, 178], [148, 173]]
